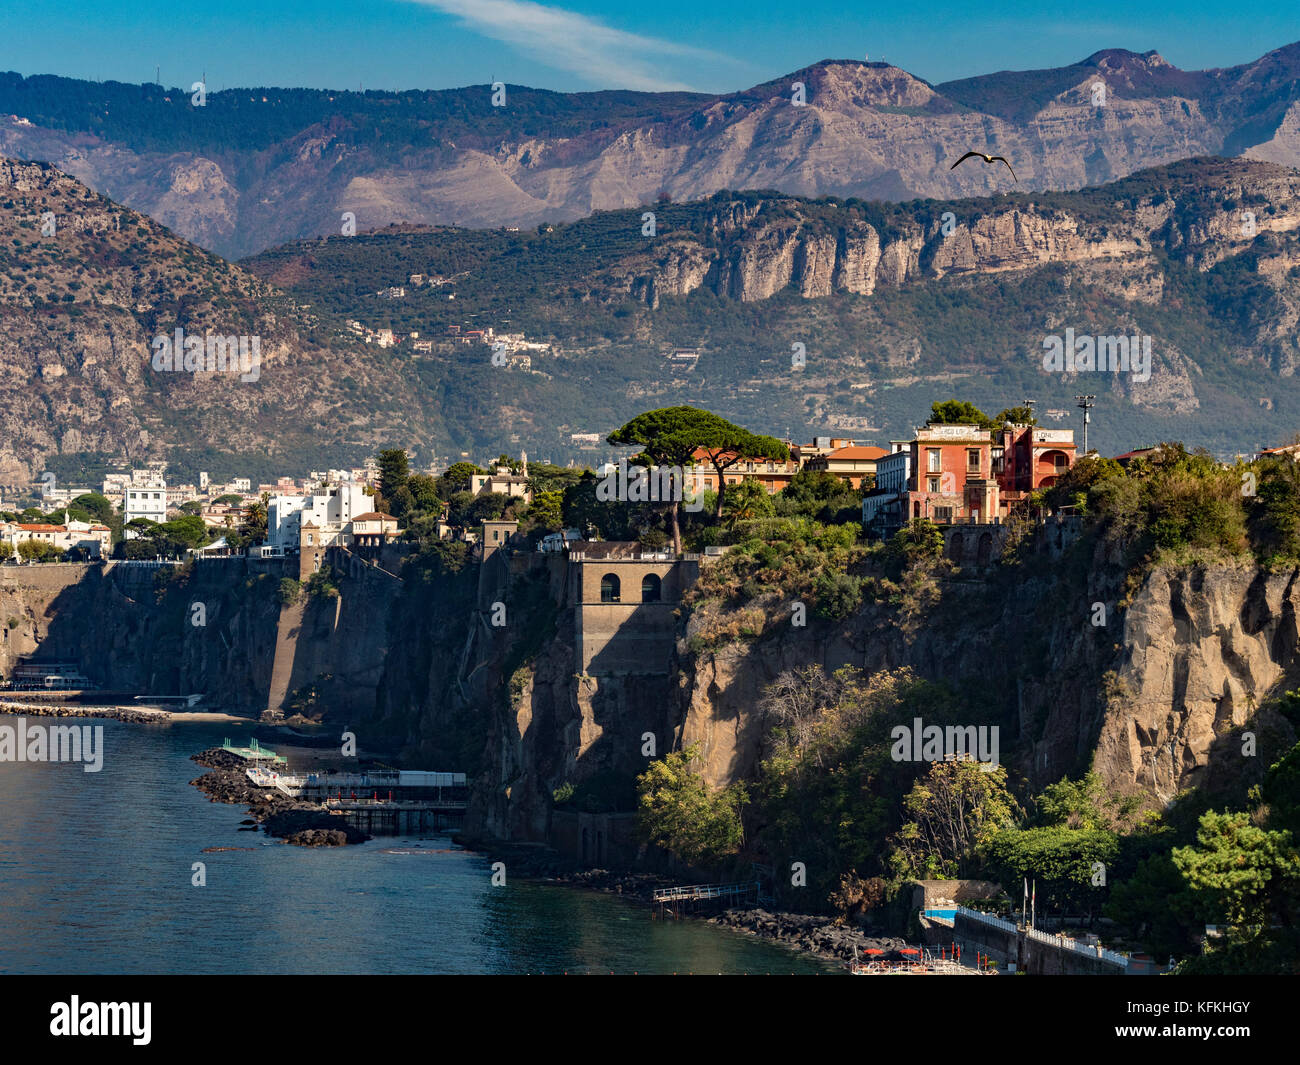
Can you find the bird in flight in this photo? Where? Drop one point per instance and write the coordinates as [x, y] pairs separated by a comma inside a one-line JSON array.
[[987, 159]]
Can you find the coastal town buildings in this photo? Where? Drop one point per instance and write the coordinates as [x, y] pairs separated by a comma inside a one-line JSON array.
[[772, 474], [965, 473], [318, 519], [144, 497], [92, 538], [851, 462], [501, 481]]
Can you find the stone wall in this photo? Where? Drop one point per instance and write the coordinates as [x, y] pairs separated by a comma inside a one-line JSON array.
[[1014, 946], [630, 635]]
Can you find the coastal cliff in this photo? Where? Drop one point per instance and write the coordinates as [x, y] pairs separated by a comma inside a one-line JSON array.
[[1154, 700], [1148, 699]]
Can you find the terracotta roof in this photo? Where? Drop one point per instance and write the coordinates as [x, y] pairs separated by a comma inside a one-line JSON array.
[[858, 453], [374, 515], [42, 528]]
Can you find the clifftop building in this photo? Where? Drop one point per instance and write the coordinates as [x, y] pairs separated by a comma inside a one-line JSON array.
[[964, 473]]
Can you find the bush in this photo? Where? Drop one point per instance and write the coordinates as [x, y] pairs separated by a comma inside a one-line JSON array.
[[680, 813], [289, 590], [838, 595], [319, 586], [38, 551]]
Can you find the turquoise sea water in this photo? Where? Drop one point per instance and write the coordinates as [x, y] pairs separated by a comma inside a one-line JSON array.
[[96, 868]]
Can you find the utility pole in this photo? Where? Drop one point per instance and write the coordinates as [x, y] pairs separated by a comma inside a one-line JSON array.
[[1085, 404]]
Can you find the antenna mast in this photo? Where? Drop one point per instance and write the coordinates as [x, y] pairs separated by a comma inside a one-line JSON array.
[[1085, 404]]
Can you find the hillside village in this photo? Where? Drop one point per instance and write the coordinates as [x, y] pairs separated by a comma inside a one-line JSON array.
[[968, 475]]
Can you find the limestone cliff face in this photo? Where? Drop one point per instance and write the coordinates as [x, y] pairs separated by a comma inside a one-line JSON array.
[[131, 632], [1201, 649], [1154, 699], [1150, 700], [757, 247]]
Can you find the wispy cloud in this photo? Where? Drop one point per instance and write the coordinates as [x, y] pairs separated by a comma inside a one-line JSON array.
[[578, 44]]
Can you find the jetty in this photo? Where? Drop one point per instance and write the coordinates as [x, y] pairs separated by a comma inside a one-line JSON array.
[[254, 752], [689, 898]]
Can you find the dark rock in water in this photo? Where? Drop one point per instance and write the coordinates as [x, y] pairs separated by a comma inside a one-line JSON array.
[[809, 932], [291, 823], [318, 837], [216, 758], [282, 815]]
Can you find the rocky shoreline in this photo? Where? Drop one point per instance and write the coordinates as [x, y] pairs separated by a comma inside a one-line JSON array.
[[117, 713], [818, 936], [285, 818], [807, 933]]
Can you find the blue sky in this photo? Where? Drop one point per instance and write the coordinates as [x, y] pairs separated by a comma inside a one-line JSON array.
[[596, 44]]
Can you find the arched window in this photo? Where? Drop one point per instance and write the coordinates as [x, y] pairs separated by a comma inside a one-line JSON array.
[[651, 588], [309, 539], [609, 588]]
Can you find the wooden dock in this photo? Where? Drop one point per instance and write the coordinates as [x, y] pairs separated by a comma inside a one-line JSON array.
[[690, 898]]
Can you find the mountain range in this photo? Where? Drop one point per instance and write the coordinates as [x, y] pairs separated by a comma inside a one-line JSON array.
[[802, 316], [254, 168]]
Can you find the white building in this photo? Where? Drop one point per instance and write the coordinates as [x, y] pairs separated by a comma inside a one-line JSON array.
[[94, 538], [329, 511], [144, 497], [502, 482], [880, 507]]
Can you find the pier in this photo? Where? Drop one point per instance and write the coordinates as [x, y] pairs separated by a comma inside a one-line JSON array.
[[689, 898], [254, 752], [399, 817]]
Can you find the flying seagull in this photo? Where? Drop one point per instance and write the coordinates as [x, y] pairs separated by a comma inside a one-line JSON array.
[[987, 159]]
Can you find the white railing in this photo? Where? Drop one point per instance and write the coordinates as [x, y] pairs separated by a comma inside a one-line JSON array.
[[1055, 939], [266, 778], [1065, 942], [986, 918]]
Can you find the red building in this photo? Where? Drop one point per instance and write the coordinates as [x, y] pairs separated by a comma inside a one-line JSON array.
[[965, 473]]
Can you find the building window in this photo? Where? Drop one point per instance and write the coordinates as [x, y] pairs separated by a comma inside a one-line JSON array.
[[972, 460], [309, 539], [609, 588], [932, 484], [651, 588], [934, 460]]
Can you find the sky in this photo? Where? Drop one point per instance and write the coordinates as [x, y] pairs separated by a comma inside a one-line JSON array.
[[576, 45]]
